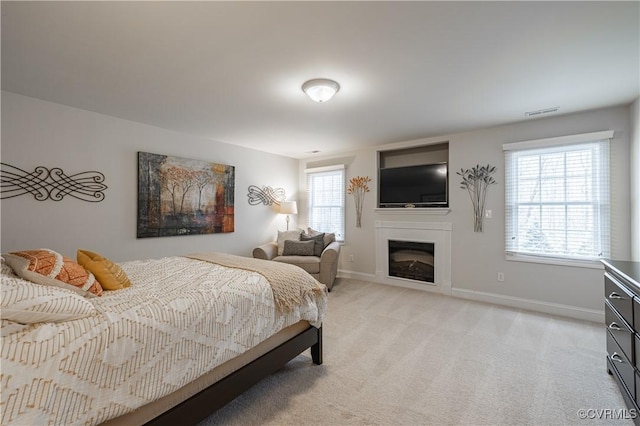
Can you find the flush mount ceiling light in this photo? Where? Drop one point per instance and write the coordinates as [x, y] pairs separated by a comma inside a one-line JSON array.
[[320, 89]]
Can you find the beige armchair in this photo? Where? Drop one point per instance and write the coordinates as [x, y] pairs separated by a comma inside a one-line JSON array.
[[323, 268]]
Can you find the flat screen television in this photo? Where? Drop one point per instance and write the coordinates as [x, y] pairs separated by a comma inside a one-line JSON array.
[[414, 186]]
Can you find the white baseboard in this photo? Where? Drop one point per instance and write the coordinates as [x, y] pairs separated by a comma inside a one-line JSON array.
[[343, 273], [499, 299], [532, 305]]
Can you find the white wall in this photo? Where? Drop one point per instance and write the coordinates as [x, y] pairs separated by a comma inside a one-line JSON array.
[[38, 133], [635, 180], [477, 257]]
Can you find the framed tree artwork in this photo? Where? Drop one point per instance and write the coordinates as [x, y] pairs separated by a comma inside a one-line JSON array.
[[178, 196]]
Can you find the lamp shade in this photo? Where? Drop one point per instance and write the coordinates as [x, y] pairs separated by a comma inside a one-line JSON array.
[[320, 89], [289, 207]]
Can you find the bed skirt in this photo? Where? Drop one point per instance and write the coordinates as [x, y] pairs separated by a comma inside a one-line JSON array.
[[155, 409]]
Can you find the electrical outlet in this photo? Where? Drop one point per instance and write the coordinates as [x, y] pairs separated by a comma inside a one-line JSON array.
[[501, 276], [350, 258], [488, 214]]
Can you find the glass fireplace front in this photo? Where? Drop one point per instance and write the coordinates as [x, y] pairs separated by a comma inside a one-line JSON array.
[[412, 260]]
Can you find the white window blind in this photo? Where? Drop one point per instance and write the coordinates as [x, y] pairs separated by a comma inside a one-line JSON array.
[[557, 197], [326, 195]]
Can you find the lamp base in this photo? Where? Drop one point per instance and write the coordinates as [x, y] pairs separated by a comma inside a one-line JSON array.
[[288, 219]]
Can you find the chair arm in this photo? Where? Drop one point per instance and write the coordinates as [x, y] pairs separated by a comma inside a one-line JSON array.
[[329, 264], [266, 251], [330, 253]]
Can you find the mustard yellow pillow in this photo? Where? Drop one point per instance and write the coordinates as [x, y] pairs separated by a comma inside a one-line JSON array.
[[109, 275]]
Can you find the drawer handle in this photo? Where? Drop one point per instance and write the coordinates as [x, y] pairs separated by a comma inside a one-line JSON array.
[[615, 295], [617, 358], [614, 326]]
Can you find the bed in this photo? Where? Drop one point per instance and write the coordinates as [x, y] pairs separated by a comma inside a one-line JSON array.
[[189, 334]]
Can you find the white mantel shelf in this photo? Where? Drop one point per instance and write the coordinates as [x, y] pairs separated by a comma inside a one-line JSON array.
[[444, 226], [401, 210]]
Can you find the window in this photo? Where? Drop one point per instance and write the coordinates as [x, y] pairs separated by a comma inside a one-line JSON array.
[[557, 197], [326, 195]]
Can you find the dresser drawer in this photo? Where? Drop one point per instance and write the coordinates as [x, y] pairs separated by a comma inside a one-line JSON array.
[[637, 351], [637, 387], [636, 313], [621, 364], [619, 296], [620, 330]]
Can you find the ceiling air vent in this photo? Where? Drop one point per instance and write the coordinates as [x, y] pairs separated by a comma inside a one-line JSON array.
[[541, 111]]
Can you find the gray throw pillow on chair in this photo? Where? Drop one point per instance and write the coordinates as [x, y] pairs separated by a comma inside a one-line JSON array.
[[329, 237], [298, 248], [318, 241]]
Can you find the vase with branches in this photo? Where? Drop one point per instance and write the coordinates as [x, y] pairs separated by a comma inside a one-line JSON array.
[[358, 188], [476, 180]]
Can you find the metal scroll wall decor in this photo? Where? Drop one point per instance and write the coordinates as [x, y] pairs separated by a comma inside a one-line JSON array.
[[51, 184], [265, 195]]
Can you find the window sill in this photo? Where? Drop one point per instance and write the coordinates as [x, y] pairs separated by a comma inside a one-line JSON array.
[[593, 264]]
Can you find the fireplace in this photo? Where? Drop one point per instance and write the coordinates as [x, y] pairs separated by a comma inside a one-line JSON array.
[[411, 260], [414, 255]]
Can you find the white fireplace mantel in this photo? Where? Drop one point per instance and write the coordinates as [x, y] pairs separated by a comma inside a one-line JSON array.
[[446, 226], [438, 233]]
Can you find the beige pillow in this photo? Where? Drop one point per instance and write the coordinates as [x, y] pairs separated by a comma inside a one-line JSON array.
[[109, 275], [287, 235], [47, 267], [29, 303]]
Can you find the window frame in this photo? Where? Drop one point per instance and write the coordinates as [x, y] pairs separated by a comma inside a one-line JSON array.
[[340, 230], [602, 225]]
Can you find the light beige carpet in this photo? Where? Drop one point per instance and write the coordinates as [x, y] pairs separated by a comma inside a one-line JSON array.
[[396, 356]]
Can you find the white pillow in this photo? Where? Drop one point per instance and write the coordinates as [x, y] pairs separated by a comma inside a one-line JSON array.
[[5, 269], [28, 303], [287, 235]]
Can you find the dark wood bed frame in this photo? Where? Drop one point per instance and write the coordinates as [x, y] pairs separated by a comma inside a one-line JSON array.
[[201, 405]]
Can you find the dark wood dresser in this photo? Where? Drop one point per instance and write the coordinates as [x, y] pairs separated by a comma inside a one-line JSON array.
[[622, 316]]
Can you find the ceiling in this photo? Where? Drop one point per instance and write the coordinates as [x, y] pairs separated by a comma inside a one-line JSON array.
[[232, 71]]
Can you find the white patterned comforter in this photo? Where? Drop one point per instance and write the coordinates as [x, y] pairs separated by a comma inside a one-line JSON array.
[[179, 319]]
